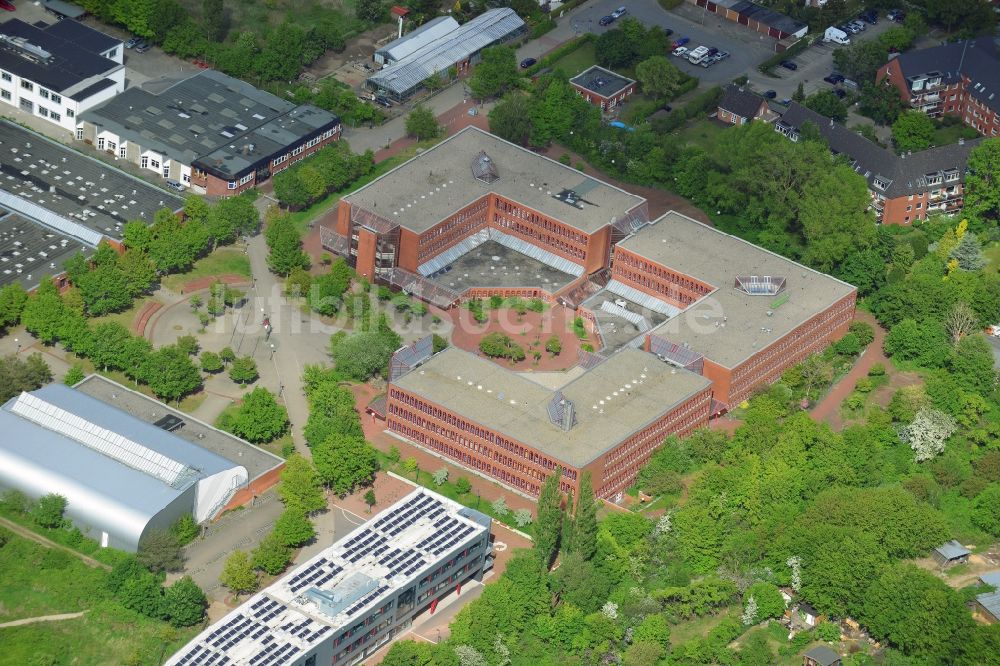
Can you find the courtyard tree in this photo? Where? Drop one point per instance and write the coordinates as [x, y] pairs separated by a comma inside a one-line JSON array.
[[170, 373], [659, 77], [271, 555], [495, 73], [913, 130], [300, 486], [982, 182], [260, 419], [238, 574], [243, 370], [210, 362], [293, 528], [345, 462], [548, 527], [422, 124], [510, 119]]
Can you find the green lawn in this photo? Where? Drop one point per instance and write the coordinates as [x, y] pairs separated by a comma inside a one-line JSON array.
[[703, 134], [224, 261], [125, 317], [45, 581], [946, 135], [992, 254], [577, 61], [699, 627]]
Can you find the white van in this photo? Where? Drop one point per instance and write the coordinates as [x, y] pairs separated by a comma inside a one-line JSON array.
[[698, 54], [836, 35]]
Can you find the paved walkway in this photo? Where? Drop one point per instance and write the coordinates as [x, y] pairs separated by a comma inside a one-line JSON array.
[[49, 543], [828, 409], [42, 618]]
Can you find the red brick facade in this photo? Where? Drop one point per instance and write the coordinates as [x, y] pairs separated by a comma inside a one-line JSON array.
[[605, 103], [943, 99], [219, 187], [489, 211], [727, 116], [944, 198], [522, 467]]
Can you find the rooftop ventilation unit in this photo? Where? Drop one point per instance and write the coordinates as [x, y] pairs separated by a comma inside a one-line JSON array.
[[170, 423], [562, 412], [484, 169], [760, 285], [25, 49]]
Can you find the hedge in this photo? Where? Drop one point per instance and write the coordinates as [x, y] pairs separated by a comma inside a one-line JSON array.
[[558, 52]]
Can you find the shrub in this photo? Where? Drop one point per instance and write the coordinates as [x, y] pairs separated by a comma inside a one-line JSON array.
[[877, 370], [498, 345], [553, 345]]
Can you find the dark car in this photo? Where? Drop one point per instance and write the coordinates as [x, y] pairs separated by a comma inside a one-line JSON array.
[[130, 44], [607, 20], [143, 46], [870, 17], [528, 62], [788, 64], [681, 42], [770, 94], [668, 32], [383, 101], [896, 15], [712, 51], [840, 93], [834, 78]]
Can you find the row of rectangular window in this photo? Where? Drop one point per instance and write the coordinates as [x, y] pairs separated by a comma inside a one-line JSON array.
[[551, 226]]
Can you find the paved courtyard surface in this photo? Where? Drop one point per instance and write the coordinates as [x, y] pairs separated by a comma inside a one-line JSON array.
[[495, 265]]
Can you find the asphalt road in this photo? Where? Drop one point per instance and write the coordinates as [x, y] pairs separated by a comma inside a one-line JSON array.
[[747, 48]]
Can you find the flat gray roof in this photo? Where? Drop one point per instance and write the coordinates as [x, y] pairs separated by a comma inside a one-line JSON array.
[[77, 187], [257, 461], [30, 251], [438, 182], [416, 39], [613, 400], [716, 258], [210, 120], [601, 81]]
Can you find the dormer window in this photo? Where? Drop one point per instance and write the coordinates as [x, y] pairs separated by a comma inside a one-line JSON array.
[[934, 178], [880, 183], [951, 175]]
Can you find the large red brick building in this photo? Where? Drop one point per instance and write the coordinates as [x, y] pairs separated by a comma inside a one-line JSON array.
[[497, 422], [959, 79], [724, 316], [741, 315], [414, 221]]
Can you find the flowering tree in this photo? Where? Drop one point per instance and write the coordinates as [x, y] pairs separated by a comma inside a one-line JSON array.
[[610, 610], [750, 611], [795, 562], [470, 656], [927, 433]]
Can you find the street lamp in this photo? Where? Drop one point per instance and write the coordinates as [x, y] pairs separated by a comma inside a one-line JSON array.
[[272, 351], [18, 345]]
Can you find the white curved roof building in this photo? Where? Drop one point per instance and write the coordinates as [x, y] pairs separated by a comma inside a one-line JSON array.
[[120, 475]]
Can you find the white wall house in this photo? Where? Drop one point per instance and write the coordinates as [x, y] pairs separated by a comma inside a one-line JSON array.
[[59, 71]]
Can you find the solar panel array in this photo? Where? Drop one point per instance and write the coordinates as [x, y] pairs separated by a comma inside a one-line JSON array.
[[676, 354], [111, 444], [413, 510], [448, 533], [316, 574], [406, 358]]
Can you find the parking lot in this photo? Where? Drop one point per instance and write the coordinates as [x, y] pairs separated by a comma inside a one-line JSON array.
[[747, 48], [814, 63]]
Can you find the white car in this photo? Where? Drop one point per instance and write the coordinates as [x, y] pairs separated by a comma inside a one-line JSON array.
[[620, 12], [680, 51]]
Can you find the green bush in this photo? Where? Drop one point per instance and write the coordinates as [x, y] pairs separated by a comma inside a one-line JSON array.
[[877, 370], [670, 4], [560, 51], [498, 345], [542, 27]]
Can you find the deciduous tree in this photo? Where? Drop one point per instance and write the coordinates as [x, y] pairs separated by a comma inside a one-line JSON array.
[[238, 574], [345, 462], [260, 419], [184, 602], [422, 124], [913, 130], [300, 486]]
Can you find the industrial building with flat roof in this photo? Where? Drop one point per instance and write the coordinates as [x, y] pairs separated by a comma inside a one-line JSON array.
[[415, 40], [56, 72], [121, 476], [744, 313], [57, 202], [209, 131], [607, 421], [349, 600], [417, 219], [439, 51]]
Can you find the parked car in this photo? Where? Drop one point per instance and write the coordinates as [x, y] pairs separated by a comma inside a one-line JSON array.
[[680, 51], [721, 55], [708, 61], [834, 78], [143, 46], [870, 16], [788, 64], [174, 185], [528, 62], [712, 50], [607, 20], [896, 15], [770, 94], [383, 102], [130, 44], [785, 102], [840, 93], [681, 42], [620, 12], [8, 6], [668, 32]]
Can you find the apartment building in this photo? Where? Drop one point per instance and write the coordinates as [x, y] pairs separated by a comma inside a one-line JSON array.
[[58, 71], [343, 604], [602, 87], [904, 188], [959, 79], [211, 132], [494, 421]]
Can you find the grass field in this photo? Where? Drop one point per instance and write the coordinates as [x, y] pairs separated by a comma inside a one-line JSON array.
[[44, 581], [125, 317], [992, 254], [40, 581], [577, 61], [224, 261], [703, 133], [946, 135]]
